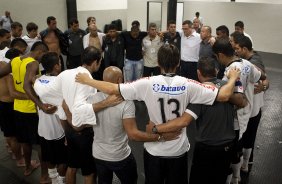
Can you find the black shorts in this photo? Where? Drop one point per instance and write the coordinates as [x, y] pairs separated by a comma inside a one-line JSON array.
[[7, 122], [27, 127], [54, 151], [79, 146]]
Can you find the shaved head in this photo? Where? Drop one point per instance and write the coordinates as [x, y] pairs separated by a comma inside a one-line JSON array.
[[112, 74]]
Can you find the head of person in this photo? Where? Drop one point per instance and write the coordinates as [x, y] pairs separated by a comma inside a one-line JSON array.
[[171, 27], [196, 23], [7, 13], [51, 62], [168, 58], [187, 27], [135, 23], [223, 50], [74, 24], [206, 68], [91, 20], [197, 14], [32, 29], [134, 32], [234, 37], [222, 32], [93, 29], [152, 30], [91, 58], [239, 26], [113, 74], [12, 53], [52, 23], [38, 49], [206, 32], [16, 29], [5, 38], [20, 44], [112, 31], [243, 46]]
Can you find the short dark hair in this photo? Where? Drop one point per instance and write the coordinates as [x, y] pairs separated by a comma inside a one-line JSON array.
[[189, 22], [90, 54], [244, 41], [171, 22], [223, 45], [73, 21], [168, 57], [3, 32], [49, 19], [89, 19], [39, 46], [31, 26], [12, 53], [239, 24], [14, 25], [197, 13], [18, 42], [236, 35], [207, 66], [49, 60], [224, 29], [134, 28], [135, 23], [112, 27]]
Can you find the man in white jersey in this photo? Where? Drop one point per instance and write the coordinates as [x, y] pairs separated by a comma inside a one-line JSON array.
[[166, 97], [50, 130], [244, 49], [249, 76]]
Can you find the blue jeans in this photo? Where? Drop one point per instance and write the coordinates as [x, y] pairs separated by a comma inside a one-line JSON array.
[[133, 70]]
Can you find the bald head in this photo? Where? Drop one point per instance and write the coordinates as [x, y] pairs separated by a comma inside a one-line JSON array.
[[112, 74]]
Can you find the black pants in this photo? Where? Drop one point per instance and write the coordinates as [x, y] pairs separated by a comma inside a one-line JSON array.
[[168, 170], [189, 70], [211, 163], [125, 170], [149, 71]]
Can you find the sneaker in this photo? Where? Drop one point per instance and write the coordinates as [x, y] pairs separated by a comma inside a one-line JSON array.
[[245, 167], [235, 180]]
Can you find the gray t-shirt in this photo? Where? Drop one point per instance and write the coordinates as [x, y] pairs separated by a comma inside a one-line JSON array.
[[110, 139], [215, 123]]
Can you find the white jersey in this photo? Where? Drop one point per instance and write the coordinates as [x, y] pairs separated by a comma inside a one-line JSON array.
[[249, 76], [166, 98], [30, 42], [49, 125], [2, 55], [74, 94]]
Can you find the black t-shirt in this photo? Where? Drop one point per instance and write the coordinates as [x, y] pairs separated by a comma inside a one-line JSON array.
[[133, 46]]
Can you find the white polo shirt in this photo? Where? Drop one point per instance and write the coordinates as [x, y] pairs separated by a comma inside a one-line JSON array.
[[190, 47]]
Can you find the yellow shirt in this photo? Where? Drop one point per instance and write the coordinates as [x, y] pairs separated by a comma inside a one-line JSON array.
[[19, 71]]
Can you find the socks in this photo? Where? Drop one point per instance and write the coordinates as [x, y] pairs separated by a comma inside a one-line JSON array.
[[53, 175], [228, 179], [246, 157]]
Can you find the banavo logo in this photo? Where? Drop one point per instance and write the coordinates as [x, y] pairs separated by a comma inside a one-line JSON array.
[[171, 90]]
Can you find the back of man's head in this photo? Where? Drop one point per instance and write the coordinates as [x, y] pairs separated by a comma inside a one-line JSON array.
[[207, 67], [12, 53], [49, 60], [90, 55], [18, 42], [39, 46], [113, 74], [168, 57], [223, 45]]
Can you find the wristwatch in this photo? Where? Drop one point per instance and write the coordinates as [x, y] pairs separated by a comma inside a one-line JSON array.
[[155, 130]]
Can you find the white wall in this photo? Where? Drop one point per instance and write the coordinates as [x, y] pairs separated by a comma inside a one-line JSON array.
[[36, 11]]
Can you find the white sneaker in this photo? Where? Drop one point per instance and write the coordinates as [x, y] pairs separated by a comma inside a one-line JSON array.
[[245, 167], [235, 180]]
